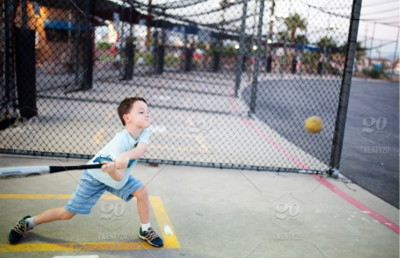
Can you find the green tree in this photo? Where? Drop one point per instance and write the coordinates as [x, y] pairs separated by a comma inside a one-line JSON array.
[[301, 39], [328, 42], [229, 51], [294, 22], [281, 35]]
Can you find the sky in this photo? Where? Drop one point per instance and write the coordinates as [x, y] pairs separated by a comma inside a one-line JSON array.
[[324, 18], [386, 12]]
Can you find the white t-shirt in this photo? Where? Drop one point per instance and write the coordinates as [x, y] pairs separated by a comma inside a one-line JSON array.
[[121, 142]]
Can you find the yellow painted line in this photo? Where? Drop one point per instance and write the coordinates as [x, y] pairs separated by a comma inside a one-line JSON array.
[[167, 231], [59, 247], [98, 135], [50, 196]]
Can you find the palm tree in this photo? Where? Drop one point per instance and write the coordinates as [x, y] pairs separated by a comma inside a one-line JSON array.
[[281, 36], [301, 39], [294, 22], [327, 42]]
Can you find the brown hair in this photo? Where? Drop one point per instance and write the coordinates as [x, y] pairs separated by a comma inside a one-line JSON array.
[[126, 105]]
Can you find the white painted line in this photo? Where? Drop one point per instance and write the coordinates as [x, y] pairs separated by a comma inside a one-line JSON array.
[[80, 256], [168, 230]]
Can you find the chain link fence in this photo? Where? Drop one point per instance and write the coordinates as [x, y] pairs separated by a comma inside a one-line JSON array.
[[229, 83]]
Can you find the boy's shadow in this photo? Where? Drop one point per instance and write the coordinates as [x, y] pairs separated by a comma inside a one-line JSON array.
[[32, 236]]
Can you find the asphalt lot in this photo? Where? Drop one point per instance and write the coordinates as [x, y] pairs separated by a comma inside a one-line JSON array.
[[371, 158]]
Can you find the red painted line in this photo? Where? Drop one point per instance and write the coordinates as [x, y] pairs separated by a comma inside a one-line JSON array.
[[373, 214], [384, 221]]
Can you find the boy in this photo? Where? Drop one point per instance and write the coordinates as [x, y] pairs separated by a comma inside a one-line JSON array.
[[118, 156]]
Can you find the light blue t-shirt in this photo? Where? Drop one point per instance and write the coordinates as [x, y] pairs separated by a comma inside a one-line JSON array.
[[121, 142]]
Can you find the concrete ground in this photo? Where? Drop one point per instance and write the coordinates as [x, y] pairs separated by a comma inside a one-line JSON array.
[[203, 212]]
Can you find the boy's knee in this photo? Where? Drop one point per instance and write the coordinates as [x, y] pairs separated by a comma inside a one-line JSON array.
[[65, 215], [141, 193]]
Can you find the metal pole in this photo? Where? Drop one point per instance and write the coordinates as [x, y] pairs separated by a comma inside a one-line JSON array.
[[285, 43], [270, 34], [242, 49], [88, 45], [149, 9], [256, 68], [302, 47], [24, 11], [395, 52], [69, 35], [7, 30], [284, 52], [372, 41], [324, 59], [345, 90], [77, 39]]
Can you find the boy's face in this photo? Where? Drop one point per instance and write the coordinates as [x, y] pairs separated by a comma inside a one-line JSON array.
[[138, 115]]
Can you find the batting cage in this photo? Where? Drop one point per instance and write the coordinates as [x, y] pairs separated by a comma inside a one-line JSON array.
[[229, 83]]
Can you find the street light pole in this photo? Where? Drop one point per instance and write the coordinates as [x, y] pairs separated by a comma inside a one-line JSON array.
[[395, 52], [256, 68], [372, 42], [149, 9]]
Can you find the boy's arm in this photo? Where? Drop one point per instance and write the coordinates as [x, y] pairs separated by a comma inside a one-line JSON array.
[[109, 167], [136, 153]]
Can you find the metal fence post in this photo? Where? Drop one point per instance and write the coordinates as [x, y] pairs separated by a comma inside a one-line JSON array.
[[7, 31], [77, 45], [345, 91], [242, 49], [256, 67], [88, 45]]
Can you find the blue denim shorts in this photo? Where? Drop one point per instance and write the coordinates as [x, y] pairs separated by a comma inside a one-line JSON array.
[[90, 190]]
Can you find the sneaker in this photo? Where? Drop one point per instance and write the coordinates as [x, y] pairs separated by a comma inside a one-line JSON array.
[[19, 231], [151, 237]]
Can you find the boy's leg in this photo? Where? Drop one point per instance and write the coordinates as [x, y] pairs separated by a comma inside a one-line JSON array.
[[26, 223], [143, 204], [82, 200], [52, 215], [135, 188]]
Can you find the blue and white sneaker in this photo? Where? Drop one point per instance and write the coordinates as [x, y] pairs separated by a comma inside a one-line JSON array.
[[151, 237], [19, 231]]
